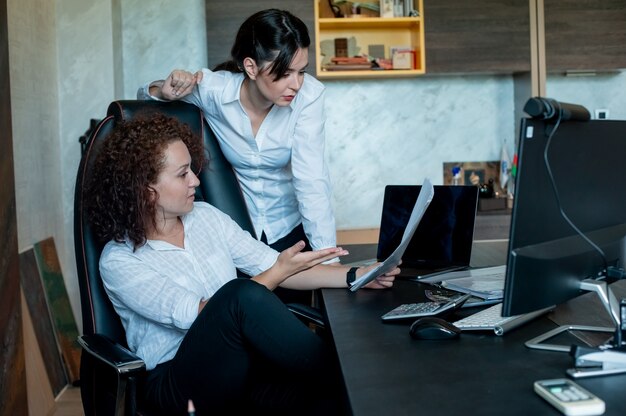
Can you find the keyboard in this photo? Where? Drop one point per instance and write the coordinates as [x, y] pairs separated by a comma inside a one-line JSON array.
[[491, 319], [420, 309]]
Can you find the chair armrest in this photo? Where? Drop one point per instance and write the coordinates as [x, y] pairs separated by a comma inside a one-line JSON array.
[[308, 314], [109, 352]]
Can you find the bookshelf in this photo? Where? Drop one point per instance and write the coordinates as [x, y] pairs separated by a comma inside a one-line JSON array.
[[364, 31]]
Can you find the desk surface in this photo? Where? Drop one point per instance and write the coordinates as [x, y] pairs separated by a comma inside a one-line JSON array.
[[387, 372]]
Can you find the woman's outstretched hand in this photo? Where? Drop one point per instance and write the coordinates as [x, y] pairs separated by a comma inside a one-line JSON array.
[[294, 260]]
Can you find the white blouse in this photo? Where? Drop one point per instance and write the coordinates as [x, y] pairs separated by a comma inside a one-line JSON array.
[[282, 171], [156, 290]]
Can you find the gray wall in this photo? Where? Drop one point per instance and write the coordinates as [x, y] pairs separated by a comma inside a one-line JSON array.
[[70, 58]]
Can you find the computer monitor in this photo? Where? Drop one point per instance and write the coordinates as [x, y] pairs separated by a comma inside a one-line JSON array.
[[576, 185]]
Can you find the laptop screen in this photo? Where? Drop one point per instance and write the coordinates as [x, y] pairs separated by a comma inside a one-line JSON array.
[[445, 234]]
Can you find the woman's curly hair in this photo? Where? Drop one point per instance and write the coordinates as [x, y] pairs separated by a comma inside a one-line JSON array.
[[120, 201]]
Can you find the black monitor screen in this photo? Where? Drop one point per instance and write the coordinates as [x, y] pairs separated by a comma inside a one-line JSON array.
[[547, 257]]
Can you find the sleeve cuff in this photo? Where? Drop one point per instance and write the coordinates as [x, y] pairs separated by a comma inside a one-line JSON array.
[[143, 93]]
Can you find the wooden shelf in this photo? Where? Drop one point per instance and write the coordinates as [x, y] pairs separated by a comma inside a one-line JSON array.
[[331, 23], [377, 73], [365, 31]]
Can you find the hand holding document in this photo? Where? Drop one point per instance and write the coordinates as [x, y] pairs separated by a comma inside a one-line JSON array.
[[423, 200]]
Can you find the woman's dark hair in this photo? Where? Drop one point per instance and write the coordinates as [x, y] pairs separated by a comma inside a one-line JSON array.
[[120, 201], [272, 36]]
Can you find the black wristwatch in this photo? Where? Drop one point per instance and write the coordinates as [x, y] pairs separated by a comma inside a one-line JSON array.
[[351, 276]]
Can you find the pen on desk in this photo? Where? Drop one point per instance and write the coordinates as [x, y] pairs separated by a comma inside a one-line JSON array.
[[460, 300], [190, 408]]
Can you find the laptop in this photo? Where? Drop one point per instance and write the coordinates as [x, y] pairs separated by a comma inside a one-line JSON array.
[[443, 239], [426, 194]]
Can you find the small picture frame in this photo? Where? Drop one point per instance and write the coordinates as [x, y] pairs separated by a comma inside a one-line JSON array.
[[472, 173]]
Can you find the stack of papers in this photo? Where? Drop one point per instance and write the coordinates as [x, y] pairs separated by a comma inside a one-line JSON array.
[[486, 282]]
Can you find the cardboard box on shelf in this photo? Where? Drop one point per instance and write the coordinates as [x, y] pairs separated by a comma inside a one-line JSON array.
[[402, 58]]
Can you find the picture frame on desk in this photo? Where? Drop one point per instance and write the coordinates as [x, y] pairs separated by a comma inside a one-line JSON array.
[[474, 173]]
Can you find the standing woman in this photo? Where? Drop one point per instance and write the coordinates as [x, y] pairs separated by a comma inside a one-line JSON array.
[[268, 115]]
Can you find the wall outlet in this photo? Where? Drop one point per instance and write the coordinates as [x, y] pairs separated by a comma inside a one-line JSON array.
[[602, 114]]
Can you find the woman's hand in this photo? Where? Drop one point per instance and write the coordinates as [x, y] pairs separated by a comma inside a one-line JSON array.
[[292, 261], [179, 84], [381, 282]]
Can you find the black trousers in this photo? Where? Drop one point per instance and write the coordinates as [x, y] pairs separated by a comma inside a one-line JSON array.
[[246, 351], [289, 295]]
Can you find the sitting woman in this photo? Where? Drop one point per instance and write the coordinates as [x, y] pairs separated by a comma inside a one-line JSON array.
[[169, 268]]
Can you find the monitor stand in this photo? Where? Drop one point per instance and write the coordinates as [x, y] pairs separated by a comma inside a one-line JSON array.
[[607, 359], [604, 292]]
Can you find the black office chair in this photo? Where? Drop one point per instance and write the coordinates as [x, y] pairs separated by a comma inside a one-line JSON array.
[[109, 371]]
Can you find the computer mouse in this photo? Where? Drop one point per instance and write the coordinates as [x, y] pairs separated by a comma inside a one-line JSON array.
[[433, 328]]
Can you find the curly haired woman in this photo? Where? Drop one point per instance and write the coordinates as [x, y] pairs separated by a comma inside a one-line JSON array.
[[169, 268]]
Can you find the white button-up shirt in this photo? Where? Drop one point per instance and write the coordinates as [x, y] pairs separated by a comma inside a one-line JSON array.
[[156, 290], [282, 171]]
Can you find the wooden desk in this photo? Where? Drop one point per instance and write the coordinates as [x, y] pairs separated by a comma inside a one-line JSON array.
[[388, 373]]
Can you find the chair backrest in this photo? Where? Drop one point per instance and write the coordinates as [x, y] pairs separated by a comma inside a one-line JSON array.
[[218, 186]]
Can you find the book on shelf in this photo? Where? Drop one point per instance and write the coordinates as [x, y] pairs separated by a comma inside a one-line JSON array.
[[344, 60], [347, 67], [348, 63], [386, 8], [408, 8]]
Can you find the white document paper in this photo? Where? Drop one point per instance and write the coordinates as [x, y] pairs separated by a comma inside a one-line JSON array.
[[486, 282], [480, 272], [423, 200]]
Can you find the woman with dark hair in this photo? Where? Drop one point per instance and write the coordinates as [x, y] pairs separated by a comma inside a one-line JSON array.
[[169, 268], [268, 115]]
